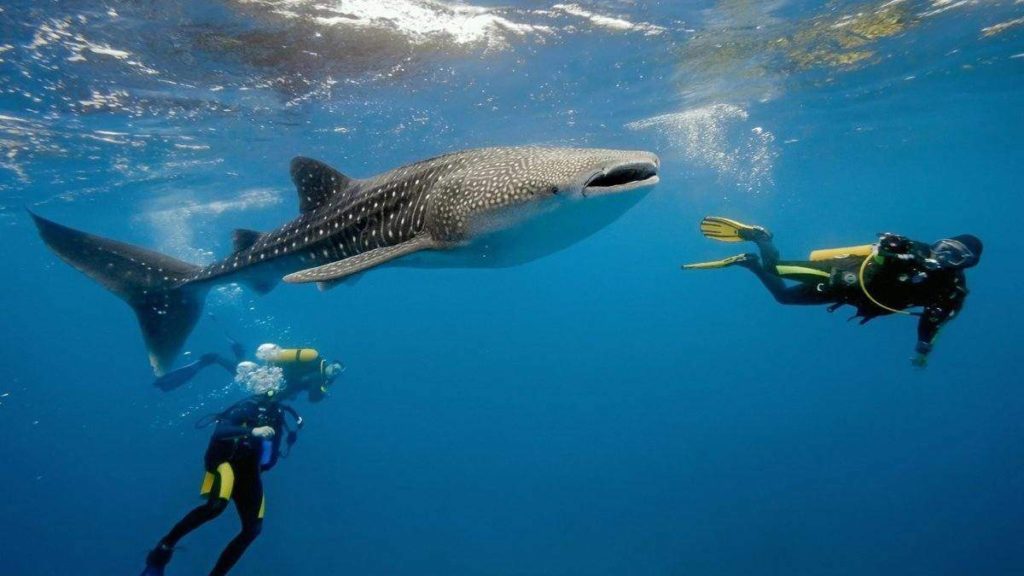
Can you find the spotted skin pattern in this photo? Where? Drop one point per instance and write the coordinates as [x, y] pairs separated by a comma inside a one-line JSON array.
[[441, 201]]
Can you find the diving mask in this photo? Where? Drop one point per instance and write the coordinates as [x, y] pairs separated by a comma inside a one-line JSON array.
[[330, 374], [951, 253]]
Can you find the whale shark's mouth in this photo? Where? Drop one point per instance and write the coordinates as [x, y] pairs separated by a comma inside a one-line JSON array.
[[621, 178]]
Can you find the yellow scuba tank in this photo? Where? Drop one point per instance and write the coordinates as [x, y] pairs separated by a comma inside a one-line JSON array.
[[292, 355], [830, 253]]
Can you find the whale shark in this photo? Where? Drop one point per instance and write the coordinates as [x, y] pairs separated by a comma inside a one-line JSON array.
[[488, 207]]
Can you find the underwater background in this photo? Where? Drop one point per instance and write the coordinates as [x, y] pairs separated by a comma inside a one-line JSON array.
[[595, 412]]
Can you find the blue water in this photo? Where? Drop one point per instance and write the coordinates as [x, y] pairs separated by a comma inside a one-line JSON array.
[[594, 412]]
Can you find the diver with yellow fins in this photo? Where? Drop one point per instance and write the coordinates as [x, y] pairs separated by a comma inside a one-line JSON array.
[[888, 277], [246, 442]]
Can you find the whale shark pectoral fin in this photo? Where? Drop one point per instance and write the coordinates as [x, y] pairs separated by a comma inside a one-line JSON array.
[[331, 273], [350, 280]]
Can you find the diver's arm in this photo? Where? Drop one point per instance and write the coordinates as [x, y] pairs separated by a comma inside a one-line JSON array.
[[316, 394], [231, 425], [931, 322], [227, 430]]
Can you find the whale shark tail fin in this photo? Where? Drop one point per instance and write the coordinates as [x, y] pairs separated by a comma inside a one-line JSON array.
[[156, 286]]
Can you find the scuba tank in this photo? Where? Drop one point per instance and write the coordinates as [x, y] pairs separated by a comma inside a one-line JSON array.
[[298, 364], [266, 451], [829, 253], [291, 355]]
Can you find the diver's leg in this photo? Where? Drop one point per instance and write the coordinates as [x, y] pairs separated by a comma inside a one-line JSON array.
[[807, 292], [249, 502], [219, 485], [769, 253], [236, 348], [194, 519], [224, 363]]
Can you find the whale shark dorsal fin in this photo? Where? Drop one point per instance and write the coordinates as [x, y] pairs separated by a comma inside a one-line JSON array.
[[334, 271], [242, 239], [316, 182]]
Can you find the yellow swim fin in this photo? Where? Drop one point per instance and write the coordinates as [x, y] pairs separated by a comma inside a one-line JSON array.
[[723, 263], [726, 230]]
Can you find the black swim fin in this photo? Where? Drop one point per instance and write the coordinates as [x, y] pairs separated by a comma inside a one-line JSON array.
[[179, 376], [157, 559]]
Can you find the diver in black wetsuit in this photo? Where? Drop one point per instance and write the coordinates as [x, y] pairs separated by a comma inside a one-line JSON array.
[[245, 443], [884, 278], [304, 369]]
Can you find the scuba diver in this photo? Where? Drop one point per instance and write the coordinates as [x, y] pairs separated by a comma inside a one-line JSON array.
[[303, 370], [887, 277], [245, 443]]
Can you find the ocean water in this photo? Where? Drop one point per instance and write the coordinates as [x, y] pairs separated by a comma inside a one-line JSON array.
[[594, 412]]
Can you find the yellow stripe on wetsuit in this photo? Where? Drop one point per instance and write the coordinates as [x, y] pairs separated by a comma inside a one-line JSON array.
[[226, 474], [785, 269], [227, 485]]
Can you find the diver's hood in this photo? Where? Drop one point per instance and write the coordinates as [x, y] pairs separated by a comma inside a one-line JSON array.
[[958, 252]]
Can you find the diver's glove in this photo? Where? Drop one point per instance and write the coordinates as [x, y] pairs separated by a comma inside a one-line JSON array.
[[920, 360], [264, 432]]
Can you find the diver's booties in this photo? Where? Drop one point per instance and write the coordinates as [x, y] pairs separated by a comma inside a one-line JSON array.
[[157, 559]]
